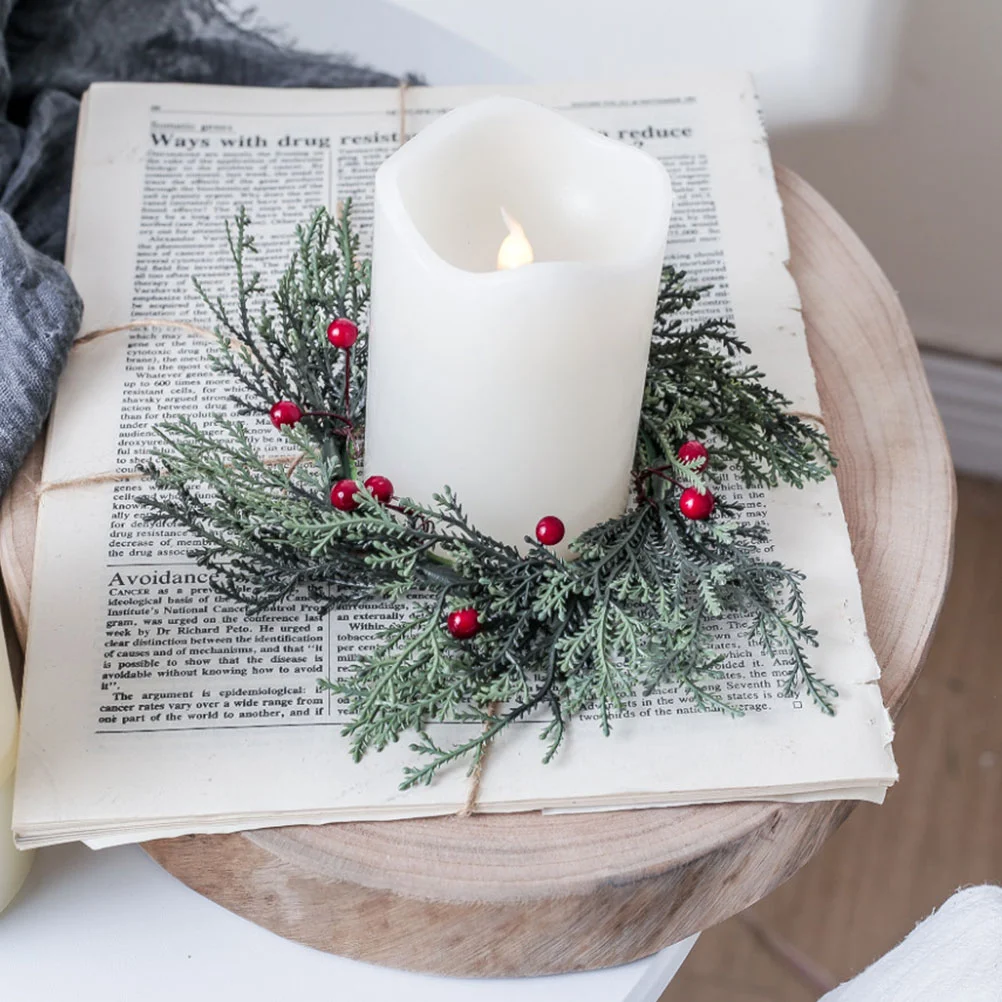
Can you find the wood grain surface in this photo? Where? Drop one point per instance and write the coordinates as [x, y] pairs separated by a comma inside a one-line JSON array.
[[525, 894]]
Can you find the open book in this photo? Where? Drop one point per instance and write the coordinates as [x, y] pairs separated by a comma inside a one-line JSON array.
[[153, 707]]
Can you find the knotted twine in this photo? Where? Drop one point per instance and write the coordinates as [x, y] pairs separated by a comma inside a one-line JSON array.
[[114, 476], [476, 772]]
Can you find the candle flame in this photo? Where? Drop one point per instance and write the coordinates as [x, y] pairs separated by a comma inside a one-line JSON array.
[[515, 249]]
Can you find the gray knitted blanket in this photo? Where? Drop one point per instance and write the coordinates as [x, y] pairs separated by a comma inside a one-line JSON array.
[[52, 51]]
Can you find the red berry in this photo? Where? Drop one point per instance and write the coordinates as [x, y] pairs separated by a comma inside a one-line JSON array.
[[381, 488], [694, 505], [464, 623], [695, 454], [284, 412], [343, 495], [550, 530], [342, 333]]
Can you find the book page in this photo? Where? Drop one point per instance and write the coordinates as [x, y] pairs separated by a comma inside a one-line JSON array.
[[727, 229], [150, 699], [153, 706]]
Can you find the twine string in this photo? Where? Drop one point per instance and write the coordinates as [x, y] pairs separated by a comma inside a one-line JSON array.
[[121, 476], [100, 332], [112, 476], [402, 112], [477, 773], [476, 776], [808, 416], [95, 478]]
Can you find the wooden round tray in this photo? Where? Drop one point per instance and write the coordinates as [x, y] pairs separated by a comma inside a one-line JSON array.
[[524, 894]]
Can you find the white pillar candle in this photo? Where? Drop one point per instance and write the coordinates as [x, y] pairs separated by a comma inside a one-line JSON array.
[[515, 373], [14, 865]]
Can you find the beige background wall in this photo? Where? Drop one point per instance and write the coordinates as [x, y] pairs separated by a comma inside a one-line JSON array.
[[892, 108]]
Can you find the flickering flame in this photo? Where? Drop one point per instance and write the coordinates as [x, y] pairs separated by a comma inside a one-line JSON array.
[[515, 249]]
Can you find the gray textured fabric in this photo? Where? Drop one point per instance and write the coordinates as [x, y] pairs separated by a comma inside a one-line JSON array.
[[39, 314], [52, 51]]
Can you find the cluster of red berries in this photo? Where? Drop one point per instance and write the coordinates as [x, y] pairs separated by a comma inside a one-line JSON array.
[[465, 623], [344, 494], [692, 503], [341, 333]]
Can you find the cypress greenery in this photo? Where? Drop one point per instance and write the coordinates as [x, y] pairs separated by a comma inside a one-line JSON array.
[[633, 612]]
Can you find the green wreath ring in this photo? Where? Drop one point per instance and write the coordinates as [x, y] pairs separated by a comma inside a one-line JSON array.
[[487, 634]]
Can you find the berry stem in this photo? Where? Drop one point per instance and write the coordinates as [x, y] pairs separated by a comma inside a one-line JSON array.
[[332, 416], [351, 451], [659, 471], [642, 476], [347, 383]]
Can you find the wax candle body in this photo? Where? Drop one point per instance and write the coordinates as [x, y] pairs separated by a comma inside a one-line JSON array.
[[520, 389], [14, 865]]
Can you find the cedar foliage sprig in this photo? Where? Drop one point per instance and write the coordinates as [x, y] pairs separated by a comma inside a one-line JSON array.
[[635, 611]]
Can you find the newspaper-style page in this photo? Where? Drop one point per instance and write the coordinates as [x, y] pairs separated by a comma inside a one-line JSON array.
[[728, 230], [153, 707]]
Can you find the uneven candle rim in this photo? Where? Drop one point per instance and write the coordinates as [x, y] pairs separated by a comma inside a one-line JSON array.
[[652, 241]]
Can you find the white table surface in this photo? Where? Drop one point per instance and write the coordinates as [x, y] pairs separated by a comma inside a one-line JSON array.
[[112, 926]]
